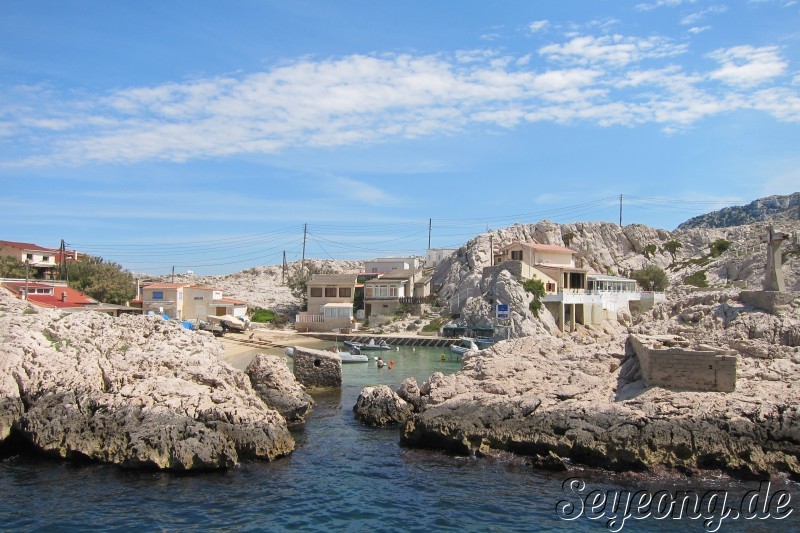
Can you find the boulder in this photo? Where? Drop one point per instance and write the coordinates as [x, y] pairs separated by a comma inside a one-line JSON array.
[[380, 406], [276, 385], [136, 391]]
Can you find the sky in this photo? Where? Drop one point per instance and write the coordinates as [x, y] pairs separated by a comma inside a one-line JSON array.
[[214, 136]]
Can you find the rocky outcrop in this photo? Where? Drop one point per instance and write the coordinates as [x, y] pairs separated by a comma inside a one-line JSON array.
[[380, 406], [276, 385], [771, 208], [136, 391], [581, 398]]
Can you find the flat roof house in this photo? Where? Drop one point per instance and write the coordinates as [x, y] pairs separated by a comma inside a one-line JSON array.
[[329, 303]]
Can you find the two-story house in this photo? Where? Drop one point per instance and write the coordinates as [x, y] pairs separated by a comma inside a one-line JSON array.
[[387, 294], [384, 265], [185, 301], [41, 260], [329, 303]]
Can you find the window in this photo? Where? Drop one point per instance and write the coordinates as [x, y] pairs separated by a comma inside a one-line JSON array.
[[158, 295], [45, 258], [345, 292], [392, 290], [374, 270], [198, 297], [316, 292], [29, 257], [516, 255], [368, 292], [330, 292]]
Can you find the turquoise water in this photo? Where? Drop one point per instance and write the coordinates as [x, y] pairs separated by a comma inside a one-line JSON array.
[[342, 477]]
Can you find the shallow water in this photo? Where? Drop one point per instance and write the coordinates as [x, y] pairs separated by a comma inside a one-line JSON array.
[[342, 477]]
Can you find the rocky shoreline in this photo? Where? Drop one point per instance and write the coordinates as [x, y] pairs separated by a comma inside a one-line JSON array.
[[581, 400], [136, 391]]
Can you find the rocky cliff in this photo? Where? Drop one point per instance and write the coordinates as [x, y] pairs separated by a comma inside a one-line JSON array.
[[772, 208], [137, 391], [468, 288], [580, 399]]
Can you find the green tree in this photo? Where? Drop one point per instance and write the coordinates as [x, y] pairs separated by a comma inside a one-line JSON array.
[[651, 278], [567, 237], [11, 267], [719, 247], [535, 287], [104, 281], [649, 250], [672, 247]]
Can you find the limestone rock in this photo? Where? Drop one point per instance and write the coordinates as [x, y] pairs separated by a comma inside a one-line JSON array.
[[276, 385], [380, 406], [136, 391]]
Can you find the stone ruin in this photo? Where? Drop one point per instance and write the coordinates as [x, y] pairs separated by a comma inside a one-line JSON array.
[[317, 368]]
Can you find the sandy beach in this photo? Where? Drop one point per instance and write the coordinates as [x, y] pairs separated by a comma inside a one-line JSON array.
[[239, 355]]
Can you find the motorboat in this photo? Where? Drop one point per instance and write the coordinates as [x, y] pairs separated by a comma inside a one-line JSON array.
[[371, 345], [466, 344]]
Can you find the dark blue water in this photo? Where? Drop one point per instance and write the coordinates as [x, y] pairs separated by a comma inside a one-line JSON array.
[[342, 477]]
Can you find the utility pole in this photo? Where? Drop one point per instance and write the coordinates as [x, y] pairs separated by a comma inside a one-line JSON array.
[[430, 225], [620, 210], [27, 266], [62, 263], [173, 274], [283, 274], [303, 260]]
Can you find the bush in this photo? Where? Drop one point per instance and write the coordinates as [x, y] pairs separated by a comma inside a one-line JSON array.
[[433, 326], [698, 279], [651, 278], [411, 327], [536, 287], [650, 250], [263, 315], [719, 247]]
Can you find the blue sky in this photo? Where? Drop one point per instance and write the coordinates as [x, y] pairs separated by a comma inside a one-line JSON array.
[[204, 135]]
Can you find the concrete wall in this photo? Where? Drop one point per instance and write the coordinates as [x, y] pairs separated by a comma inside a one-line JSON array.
[[682, 367], [770, 301], [316, 368]]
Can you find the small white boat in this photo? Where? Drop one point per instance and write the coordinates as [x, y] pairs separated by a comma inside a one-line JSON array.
[[344, 356], [465, 346]]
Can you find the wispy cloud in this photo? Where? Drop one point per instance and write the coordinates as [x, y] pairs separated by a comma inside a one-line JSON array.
[[747, 66], [698, 29], [662, 3], [366, 99], [697, 16], [613, 49], [538, 25]]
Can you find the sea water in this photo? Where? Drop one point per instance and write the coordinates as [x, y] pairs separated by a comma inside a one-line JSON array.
[[344, 476]]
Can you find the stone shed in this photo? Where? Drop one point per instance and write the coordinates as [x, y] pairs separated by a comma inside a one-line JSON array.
[[317, 368]]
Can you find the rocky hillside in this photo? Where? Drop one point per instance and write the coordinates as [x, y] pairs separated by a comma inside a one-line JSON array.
[[772, 208], [605, 248]]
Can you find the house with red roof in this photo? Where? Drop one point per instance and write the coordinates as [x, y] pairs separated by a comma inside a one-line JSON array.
[[48, 294], [44, 261]]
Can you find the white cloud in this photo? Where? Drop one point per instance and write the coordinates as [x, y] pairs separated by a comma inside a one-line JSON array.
[[538, 25], [698, 29], [367, 99], [747, 66], [663, 3], [364, 192], [697, 16], [612, 49]]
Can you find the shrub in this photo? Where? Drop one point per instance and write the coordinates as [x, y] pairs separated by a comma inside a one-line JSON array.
[[698, 279], [649, 250], [263, 315], [433, 325], [719, 247]]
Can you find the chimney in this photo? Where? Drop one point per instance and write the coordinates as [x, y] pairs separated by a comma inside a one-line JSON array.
[[64, 296]]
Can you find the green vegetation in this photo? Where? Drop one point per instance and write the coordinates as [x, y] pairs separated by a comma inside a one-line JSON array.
[[432, 326], [698, 279], [672, 248], [106, 282], [535, 287], [567, 238], [651, 278], [11, 267], [719, 247], [650, 250], [263, 315]]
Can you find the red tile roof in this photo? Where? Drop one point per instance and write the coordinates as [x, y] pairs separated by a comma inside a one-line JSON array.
[[73, 298], [25, 246], [543, 247], [232, 301], [166, 285]]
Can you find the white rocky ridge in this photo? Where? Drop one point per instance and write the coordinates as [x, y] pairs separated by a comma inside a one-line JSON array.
[[137, 391]]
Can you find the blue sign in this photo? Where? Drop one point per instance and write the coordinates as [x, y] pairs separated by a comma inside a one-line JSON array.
[[502, 311]]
